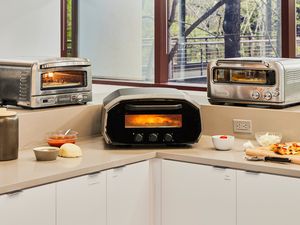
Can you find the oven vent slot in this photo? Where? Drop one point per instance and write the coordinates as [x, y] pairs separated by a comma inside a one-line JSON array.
[[292, 76], [24, 87], [243, 62], [131, 107], [65, 64]]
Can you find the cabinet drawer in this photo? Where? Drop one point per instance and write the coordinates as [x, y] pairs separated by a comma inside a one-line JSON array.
[[264, 199], [128, 195], [34, 206], [197, 194], [82, 200]]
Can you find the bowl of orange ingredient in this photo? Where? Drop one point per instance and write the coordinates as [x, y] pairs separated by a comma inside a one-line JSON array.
[[59, 138]]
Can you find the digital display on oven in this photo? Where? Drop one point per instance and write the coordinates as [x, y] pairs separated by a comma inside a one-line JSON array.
[[153, 121], [244, 76], [63, 79]]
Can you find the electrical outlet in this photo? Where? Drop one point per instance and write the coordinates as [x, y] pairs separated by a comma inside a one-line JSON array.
[[242, 126]]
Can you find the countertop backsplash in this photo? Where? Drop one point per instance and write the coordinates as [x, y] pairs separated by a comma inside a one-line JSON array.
[[216, 119]]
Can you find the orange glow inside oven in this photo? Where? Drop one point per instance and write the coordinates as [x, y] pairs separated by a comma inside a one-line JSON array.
[[63, 79], [153, 121]]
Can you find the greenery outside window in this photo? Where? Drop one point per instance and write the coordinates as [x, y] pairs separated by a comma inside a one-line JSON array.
[[201, 31]]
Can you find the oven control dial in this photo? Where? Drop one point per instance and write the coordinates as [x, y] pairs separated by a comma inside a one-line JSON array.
[[138, 138], [267, 95], [255, 95], [168, 137], [153, 137], [275, 93], [79, 98]]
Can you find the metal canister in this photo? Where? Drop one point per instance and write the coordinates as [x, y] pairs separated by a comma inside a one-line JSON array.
[[9, 135]]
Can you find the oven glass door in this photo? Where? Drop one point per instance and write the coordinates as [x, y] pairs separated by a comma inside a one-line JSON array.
[[63, 79], [244, 76], [153, 121]]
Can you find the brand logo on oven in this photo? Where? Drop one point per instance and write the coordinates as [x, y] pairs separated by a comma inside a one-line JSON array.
[[64, 98]]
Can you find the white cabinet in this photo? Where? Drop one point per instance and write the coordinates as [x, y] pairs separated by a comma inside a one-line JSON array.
[[82, 200], [34, 206], [128, 195], [197, 195], [264, 199]]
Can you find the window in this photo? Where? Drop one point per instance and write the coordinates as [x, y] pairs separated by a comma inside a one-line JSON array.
[[201, 31], [298, 27], [118, 36]]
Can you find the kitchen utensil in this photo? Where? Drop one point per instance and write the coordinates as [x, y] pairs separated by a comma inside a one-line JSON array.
[[265, 152], [223, 142], [268, 158], [46, 153], [9, 135], [67, 131]]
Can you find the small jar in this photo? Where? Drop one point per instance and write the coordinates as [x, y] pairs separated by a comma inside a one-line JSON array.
[[9, 135]]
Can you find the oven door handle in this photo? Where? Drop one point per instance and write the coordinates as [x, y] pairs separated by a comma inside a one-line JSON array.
[[131, 107]]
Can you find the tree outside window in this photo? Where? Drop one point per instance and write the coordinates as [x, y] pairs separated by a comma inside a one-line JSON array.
[[200, 31]]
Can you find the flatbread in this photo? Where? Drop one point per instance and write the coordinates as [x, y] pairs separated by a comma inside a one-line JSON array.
[[289, 148]]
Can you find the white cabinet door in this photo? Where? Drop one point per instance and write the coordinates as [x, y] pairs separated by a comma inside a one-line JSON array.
[[128, 195], [34, 206], [197, 195], [82, 200], [264, 199]]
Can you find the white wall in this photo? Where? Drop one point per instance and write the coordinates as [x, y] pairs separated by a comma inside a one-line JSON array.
[[29, 28], [110, 35]]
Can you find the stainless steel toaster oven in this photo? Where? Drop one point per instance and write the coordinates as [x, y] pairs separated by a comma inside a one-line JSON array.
[[271, 82], [150, 116], [45, 82]]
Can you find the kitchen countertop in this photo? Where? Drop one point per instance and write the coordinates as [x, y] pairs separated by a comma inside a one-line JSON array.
[[27, 172]]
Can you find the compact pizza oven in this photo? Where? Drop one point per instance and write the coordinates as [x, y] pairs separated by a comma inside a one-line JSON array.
[[44, 82], [148, 116], [272, 82]]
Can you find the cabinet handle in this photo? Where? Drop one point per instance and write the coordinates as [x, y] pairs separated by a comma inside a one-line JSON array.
[[117, 170], [252, 172], [14, 193], [220, 167], [119, 167], [95, 174]]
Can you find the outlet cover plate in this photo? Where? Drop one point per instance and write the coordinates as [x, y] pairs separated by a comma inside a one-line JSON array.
[[242, 126]]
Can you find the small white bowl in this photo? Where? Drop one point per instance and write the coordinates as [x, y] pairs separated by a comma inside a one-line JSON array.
[[46, 153], [223, 142]]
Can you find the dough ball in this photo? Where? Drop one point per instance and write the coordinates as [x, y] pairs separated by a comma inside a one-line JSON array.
[[69, 150]]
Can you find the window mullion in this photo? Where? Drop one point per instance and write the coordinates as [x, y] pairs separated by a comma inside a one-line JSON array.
[[288, 28], [161, 42]]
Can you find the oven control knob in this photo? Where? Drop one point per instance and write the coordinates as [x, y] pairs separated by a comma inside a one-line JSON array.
[[138, 138], [79, 98], [275, 93], [267, 95], [168, 137], [255, 95], [153, 137]]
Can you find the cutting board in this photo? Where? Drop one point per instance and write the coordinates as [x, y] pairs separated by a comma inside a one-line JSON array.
[[264, 151]]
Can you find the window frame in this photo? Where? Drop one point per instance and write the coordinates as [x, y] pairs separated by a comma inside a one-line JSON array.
[[288, 43], [64, 25]]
